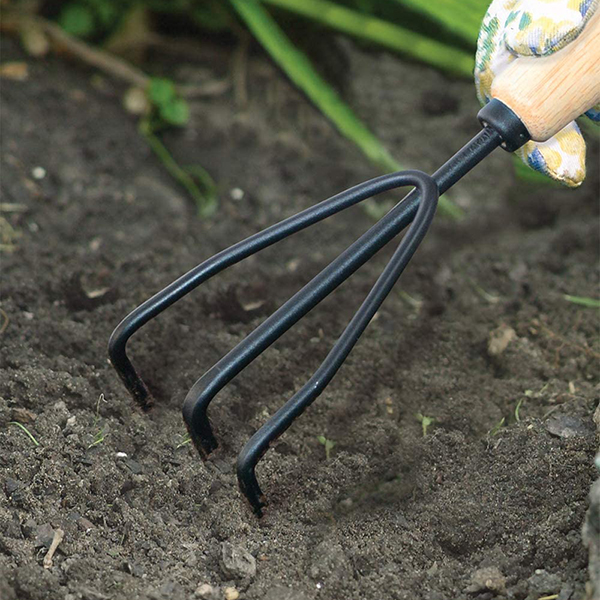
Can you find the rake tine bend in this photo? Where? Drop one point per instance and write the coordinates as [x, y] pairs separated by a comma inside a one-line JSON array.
[[117, 345], [445, 177], [206, 388], [259, 443]]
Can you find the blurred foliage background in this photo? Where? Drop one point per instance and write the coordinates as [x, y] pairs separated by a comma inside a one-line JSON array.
[[441, 34]]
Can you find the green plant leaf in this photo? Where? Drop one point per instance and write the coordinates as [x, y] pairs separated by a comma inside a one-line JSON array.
[[589, 127], [329, 445], [175, 112], [462, 17], [425, 421], [583, 301], [392, 36], [497, 427], [77, 19], [212, 15], [161, 91], [517, 409], [27, 432], [107, 11], [300, 70]]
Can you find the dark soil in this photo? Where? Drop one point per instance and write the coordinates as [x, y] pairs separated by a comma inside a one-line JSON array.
[[393, 513]]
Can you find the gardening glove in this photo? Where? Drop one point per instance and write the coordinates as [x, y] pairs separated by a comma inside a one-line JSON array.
[[519, 28]]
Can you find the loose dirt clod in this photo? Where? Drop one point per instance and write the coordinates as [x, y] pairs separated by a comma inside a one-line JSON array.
[[542, 582], [44, 534], [487, 578], [568, 426], [236, 562]]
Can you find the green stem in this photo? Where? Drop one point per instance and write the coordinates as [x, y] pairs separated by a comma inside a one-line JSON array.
[[583, 301], [390, 35], [22, 427], [206, 203], [462, 17], [300, 70]]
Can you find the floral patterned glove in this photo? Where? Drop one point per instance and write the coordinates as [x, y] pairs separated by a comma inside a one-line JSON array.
[[518, 28]]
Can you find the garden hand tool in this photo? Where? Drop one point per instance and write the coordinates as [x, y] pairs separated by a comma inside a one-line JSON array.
[[530, 100]]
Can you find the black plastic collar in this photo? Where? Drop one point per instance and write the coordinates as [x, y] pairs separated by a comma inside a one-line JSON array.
[[498, 116]]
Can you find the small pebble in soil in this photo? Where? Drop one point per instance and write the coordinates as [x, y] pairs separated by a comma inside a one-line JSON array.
[[206, 592], [85, 524], [135, 101], [499, 339], [565, 592], [133, 569], [236, 562], [236, 194], [231, 593], [22, 415], [135, 467], [11, 485], [38, 173], [29, 528], [346, 503]]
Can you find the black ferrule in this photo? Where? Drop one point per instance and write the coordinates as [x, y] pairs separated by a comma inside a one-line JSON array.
[[498, 116]]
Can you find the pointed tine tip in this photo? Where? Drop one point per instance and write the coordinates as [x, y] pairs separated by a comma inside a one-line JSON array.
[[204, 446], [248, 484], [257, 503], [141, 396], [199, 428]]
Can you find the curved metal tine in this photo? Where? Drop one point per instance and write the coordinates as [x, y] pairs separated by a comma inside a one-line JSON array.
[[208, 386], [203, 391], [117, 345], [462, 162], [259, 443]]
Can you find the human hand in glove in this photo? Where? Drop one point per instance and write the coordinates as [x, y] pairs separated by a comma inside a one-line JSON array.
[[513, 29]]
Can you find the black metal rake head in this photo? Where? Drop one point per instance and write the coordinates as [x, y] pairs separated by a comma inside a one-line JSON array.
[[502, 128]]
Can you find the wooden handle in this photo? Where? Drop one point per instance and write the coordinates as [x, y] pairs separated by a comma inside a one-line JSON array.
[[548, 93]]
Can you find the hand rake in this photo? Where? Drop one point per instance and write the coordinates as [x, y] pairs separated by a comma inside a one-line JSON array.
[[533, 99]]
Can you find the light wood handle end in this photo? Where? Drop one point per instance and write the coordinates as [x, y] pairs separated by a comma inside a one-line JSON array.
[[548, 93]]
